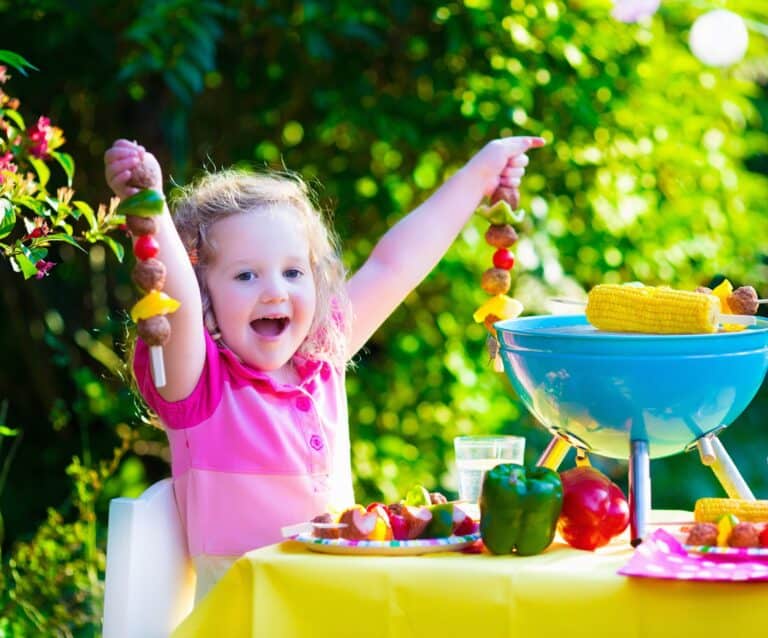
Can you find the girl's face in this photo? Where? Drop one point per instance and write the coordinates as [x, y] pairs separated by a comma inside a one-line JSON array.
[[261, 286]]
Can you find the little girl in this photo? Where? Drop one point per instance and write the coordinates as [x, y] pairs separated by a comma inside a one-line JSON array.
[[254, 404]]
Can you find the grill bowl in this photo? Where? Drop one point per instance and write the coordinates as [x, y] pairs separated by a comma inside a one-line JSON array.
[[599, 390]]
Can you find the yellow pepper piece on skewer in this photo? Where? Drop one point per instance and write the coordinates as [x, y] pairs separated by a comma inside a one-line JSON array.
[[724, 528], [722, 291], [152, 304], [502, 306]]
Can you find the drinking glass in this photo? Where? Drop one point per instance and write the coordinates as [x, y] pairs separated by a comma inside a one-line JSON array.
[[477, 454]]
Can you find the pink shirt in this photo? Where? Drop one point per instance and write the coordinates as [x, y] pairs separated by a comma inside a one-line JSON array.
[[250, 455]]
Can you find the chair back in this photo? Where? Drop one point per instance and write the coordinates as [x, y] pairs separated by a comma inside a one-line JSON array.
[[150, 581]]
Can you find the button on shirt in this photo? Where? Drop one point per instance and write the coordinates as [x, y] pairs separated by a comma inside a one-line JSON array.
[[250, 455]]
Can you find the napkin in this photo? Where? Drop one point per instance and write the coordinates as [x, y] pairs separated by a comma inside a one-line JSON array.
[[662, 556]]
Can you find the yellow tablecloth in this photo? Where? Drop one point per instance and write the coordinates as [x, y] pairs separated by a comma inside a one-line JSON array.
[[288, 591]]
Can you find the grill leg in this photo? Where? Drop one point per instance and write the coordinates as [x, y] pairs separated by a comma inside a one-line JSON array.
[[639, 490], [728, 474], [554, 453]]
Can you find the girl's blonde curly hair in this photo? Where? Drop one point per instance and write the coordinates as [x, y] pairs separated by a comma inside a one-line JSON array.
[[217, 195]]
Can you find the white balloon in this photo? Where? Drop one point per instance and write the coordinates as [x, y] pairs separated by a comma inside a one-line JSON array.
[[719, 38]]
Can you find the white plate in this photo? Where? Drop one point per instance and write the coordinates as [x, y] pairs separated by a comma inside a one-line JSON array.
[[385, 548]]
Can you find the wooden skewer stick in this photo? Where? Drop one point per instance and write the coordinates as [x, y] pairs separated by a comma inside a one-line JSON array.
[[570, 302], [158, 365]]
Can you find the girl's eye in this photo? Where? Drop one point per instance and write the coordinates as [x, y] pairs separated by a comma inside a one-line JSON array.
[[293, 273], [245, 276]]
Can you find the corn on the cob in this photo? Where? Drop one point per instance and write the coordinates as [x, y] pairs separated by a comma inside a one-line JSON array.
[[710, 510], [649, 309]]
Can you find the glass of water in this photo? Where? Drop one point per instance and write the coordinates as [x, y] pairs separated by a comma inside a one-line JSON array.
[[477, 454]]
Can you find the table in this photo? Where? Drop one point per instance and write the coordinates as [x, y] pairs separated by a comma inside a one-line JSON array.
[[288, 591]]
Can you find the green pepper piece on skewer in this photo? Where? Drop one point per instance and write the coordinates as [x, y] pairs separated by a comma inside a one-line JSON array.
[[145, 203], [441, 523]]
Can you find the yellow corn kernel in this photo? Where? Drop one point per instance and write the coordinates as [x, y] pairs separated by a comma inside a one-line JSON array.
[[710, 510], [649, 309]]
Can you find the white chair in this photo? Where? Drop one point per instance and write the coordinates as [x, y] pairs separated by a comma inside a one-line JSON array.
[[150, 581]]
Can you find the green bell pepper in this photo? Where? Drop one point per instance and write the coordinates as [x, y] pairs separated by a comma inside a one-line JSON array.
[[519, 508]]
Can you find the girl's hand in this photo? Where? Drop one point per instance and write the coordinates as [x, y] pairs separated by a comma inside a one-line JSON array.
[[501, 163], [128, 167]]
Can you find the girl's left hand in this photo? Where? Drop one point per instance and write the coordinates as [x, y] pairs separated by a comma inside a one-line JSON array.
[[502, 162]]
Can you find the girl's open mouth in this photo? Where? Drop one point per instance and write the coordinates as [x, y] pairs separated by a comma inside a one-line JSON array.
[[270, 326]]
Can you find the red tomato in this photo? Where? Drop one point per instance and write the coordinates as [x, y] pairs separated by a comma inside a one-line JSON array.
[[763, 538], [504, 259], [146, 247]]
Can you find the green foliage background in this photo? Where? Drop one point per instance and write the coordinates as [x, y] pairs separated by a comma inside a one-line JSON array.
[[654, 171]]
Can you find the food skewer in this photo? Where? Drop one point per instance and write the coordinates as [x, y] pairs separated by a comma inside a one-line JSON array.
[[149, 273], [496, 281]]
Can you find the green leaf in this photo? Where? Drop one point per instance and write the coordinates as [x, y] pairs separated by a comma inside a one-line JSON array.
[[25, 265], [116, 247], [67, 163], [33, 204], [145, 203], [65, 227], [42, 170], [6, 431], [15, 117], [87, 212], [191, 76], [177, 87], [34, 254], [65, 238], [16, 61], [7, 217]]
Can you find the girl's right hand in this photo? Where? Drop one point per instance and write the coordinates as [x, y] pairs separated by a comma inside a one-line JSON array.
[[120, 163]]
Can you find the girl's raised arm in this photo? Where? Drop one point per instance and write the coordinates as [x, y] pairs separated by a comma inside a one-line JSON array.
[[184, 354], [411, 249]]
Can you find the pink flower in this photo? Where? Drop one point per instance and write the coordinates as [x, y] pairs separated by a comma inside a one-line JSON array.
[[4, 77], [6, 164], [43, 268], [634, 10], [40, 135]]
